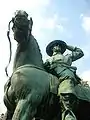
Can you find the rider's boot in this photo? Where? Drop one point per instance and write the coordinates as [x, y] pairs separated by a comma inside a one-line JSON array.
[[69, 105]]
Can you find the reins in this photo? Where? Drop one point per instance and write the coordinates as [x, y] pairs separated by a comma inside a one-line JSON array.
[[10, 46], [8, 35]]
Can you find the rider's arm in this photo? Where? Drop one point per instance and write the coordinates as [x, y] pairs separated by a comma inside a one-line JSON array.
[[77, 53], [47, 65]]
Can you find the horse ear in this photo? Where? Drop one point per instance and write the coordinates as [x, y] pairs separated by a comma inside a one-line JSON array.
[[30, 24], [31, 21]]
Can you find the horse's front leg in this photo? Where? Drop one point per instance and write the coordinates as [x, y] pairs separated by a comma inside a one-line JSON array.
[[26, 108]]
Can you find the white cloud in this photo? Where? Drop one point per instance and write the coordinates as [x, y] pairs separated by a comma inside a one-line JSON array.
[[2, 108], [25, 4], [86, 76], [54, 22], [7, 8], [81, 15], [34, 8], [86, 50], [85, 23], [49, 23]]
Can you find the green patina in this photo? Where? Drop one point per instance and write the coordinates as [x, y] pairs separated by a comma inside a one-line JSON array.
[[30, 91], [60, 65], [40, 90]]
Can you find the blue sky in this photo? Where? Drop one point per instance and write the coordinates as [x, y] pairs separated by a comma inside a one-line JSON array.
[[68, 20], [68, 23]]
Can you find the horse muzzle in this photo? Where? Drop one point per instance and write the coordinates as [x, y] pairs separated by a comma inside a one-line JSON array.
[[20, 35]]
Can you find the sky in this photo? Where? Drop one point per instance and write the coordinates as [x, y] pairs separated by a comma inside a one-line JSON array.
[[67, 20]]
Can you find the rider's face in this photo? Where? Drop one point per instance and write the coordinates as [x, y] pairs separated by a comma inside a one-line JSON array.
[[57, 48]]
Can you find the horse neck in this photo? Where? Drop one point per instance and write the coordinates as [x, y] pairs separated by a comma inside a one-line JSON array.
[[30, 55], [35, 52]]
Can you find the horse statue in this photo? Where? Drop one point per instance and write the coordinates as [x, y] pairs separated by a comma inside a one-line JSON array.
[[31, 92]]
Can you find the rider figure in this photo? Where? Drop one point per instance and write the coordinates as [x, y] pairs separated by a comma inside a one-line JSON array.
[[60, 65]]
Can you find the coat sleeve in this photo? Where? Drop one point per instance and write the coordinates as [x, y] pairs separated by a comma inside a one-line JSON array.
[[47, 65], [77, 53]]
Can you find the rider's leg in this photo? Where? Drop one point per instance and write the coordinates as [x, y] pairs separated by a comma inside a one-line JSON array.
[[68, 99], [69, 105], [27, 108], [68, 115]]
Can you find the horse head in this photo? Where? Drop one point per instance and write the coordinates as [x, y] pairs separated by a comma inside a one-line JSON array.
[[28, 51], [22, 26]]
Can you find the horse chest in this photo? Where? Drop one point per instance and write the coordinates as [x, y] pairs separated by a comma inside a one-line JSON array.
[[20, 59]]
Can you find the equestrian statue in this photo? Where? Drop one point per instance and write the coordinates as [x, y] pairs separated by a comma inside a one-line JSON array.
[[48, 91], [30, 92]]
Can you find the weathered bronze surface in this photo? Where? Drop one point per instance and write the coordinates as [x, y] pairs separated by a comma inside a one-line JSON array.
[[70, 89], [49, 91], [31, 91]]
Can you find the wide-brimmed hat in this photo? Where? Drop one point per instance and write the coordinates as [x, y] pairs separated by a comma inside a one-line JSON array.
[[49, 48]]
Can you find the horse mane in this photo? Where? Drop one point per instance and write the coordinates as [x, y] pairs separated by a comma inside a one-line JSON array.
[[28, 53], [38, 48]]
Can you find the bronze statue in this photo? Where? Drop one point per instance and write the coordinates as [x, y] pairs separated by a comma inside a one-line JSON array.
[[31, 92], [60, 65]]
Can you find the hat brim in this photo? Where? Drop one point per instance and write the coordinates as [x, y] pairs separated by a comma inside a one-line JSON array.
[[49, 48]]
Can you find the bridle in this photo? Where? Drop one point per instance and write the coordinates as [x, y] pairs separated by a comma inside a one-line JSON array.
[[19, 25]]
